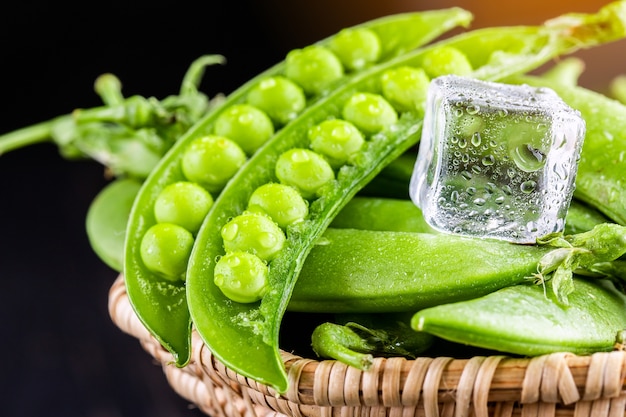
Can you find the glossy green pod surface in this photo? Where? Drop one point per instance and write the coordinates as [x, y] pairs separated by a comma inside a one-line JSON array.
[[526, 320], [245, 336]]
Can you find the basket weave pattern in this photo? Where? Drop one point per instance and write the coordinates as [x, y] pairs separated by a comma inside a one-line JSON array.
[[560, 384]]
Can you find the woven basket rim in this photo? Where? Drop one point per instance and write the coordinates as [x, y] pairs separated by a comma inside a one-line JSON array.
[[322, 387]]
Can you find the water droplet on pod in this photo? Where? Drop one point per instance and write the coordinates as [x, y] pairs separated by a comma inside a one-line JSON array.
[[528, 186], [476, 139], [229, 231]]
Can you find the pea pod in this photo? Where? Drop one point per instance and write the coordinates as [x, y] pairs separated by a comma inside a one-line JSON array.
[[581, 217], [385, 214], [399, 271], [357, 338], [245, 336], [393, 181], [108, 215], [107, 218], [161, 303], [388, 193], [525, 320], [375, 271], [399, 215]]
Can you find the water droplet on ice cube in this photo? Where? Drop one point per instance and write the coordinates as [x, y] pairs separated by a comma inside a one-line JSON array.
[[496, 160]]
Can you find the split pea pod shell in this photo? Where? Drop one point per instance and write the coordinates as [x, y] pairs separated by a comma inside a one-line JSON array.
[[245, 336], [160, 304]]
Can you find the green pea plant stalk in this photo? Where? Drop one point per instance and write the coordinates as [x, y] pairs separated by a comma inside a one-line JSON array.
[[290, 195]]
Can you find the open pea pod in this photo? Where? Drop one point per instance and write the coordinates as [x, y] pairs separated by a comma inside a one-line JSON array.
[[160, 303], [244, 336], [602, 166]]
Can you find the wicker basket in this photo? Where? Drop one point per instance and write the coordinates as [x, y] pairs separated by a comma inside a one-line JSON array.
[[560, 384]]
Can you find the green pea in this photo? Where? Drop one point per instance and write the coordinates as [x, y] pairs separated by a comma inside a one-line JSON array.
[[356, 47], [165, 250], [241, 276], [279, 97], [211, 161], [313, 68], [446, 60], [255, 233], [281, 202], [305, 170], [183, 203], [369, 112], [246, 125], [406, 87], [336, 139]]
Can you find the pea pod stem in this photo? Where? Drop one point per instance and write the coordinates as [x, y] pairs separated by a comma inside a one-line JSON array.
[[606, 242], [95, 132], [227, 328], [31, 135]]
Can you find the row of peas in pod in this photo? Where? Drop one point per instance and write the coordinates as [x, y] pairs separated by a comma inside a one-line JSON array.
[[245, 264], [252, 239], [378, 103], [210, 161], [216, 149]]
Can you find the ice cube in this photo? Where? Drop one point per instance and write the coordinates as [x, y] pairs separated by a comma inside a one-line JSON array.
[[496, 160]]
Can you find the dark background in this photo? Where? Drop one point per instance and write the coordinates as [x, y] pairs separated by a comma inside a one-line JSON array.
[[61, 355]]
